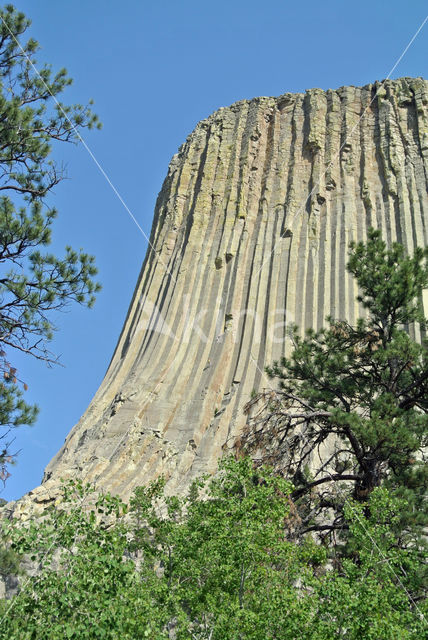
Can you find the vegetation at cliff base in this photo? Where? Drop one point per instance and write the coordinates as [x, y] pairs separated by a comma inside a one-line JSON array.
[[216, 564], [33, 282]]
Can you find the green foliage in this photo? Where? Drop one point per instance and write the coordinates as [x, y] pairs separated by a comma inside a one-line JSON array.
[[373, 594], [390, 282], [9, 563], [87, 589], [224, 558], [358, 397], [33, 282], [215, 564]]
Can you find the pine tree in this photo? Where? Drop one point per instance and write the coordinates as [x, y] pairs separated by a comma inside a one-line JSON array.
[[351, 413], [33, 282]]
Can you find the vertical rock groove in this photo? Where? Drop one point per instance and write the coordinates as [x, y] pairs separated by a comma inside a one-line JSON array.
[[250, 233]]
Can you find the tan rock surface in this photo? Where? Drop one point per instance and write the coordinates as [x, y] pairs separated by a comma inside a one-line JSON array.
[[250, 232]]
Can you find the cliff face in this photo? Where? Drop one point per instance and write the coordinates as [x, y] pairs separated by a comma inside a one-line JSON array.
[[250, 233]]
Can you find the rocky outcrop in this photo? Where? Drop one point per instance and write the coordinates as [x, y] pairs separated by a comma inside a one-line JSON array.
[[250, 234]]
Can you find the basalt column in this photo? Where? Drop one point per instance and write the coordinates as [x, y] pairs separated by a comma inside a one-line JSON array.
[[250, 233]]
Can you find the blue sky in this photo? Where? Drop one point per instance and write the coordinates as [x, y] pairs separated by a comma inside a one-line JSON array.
[[154, 70]]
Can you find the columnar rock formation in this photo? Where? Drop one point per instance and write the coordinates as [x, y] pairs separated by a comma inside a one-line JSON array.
[[250, 232]]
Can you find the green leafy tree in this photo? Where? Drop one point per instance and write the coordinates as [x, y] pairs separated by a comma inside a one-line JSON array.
[[376, 593], [351, 411], [225, 558], [213, 565], [33, 282], [88, 586]]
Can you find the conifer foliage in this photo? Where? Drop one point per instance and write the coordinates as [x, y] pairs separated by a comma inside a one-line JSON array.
[[351, 414], [33, 282]]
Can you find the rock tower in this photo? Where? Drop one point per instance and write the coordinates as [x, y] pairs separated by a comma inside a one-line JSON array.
[[250, 233]]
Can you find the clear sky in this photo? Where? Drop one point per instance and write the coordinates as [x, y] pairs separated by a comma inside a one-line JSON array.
[[155, 68]]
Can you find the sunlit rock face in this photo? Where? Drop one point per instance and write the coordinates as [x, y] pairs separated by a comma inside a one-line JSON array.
[[250, 234]]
